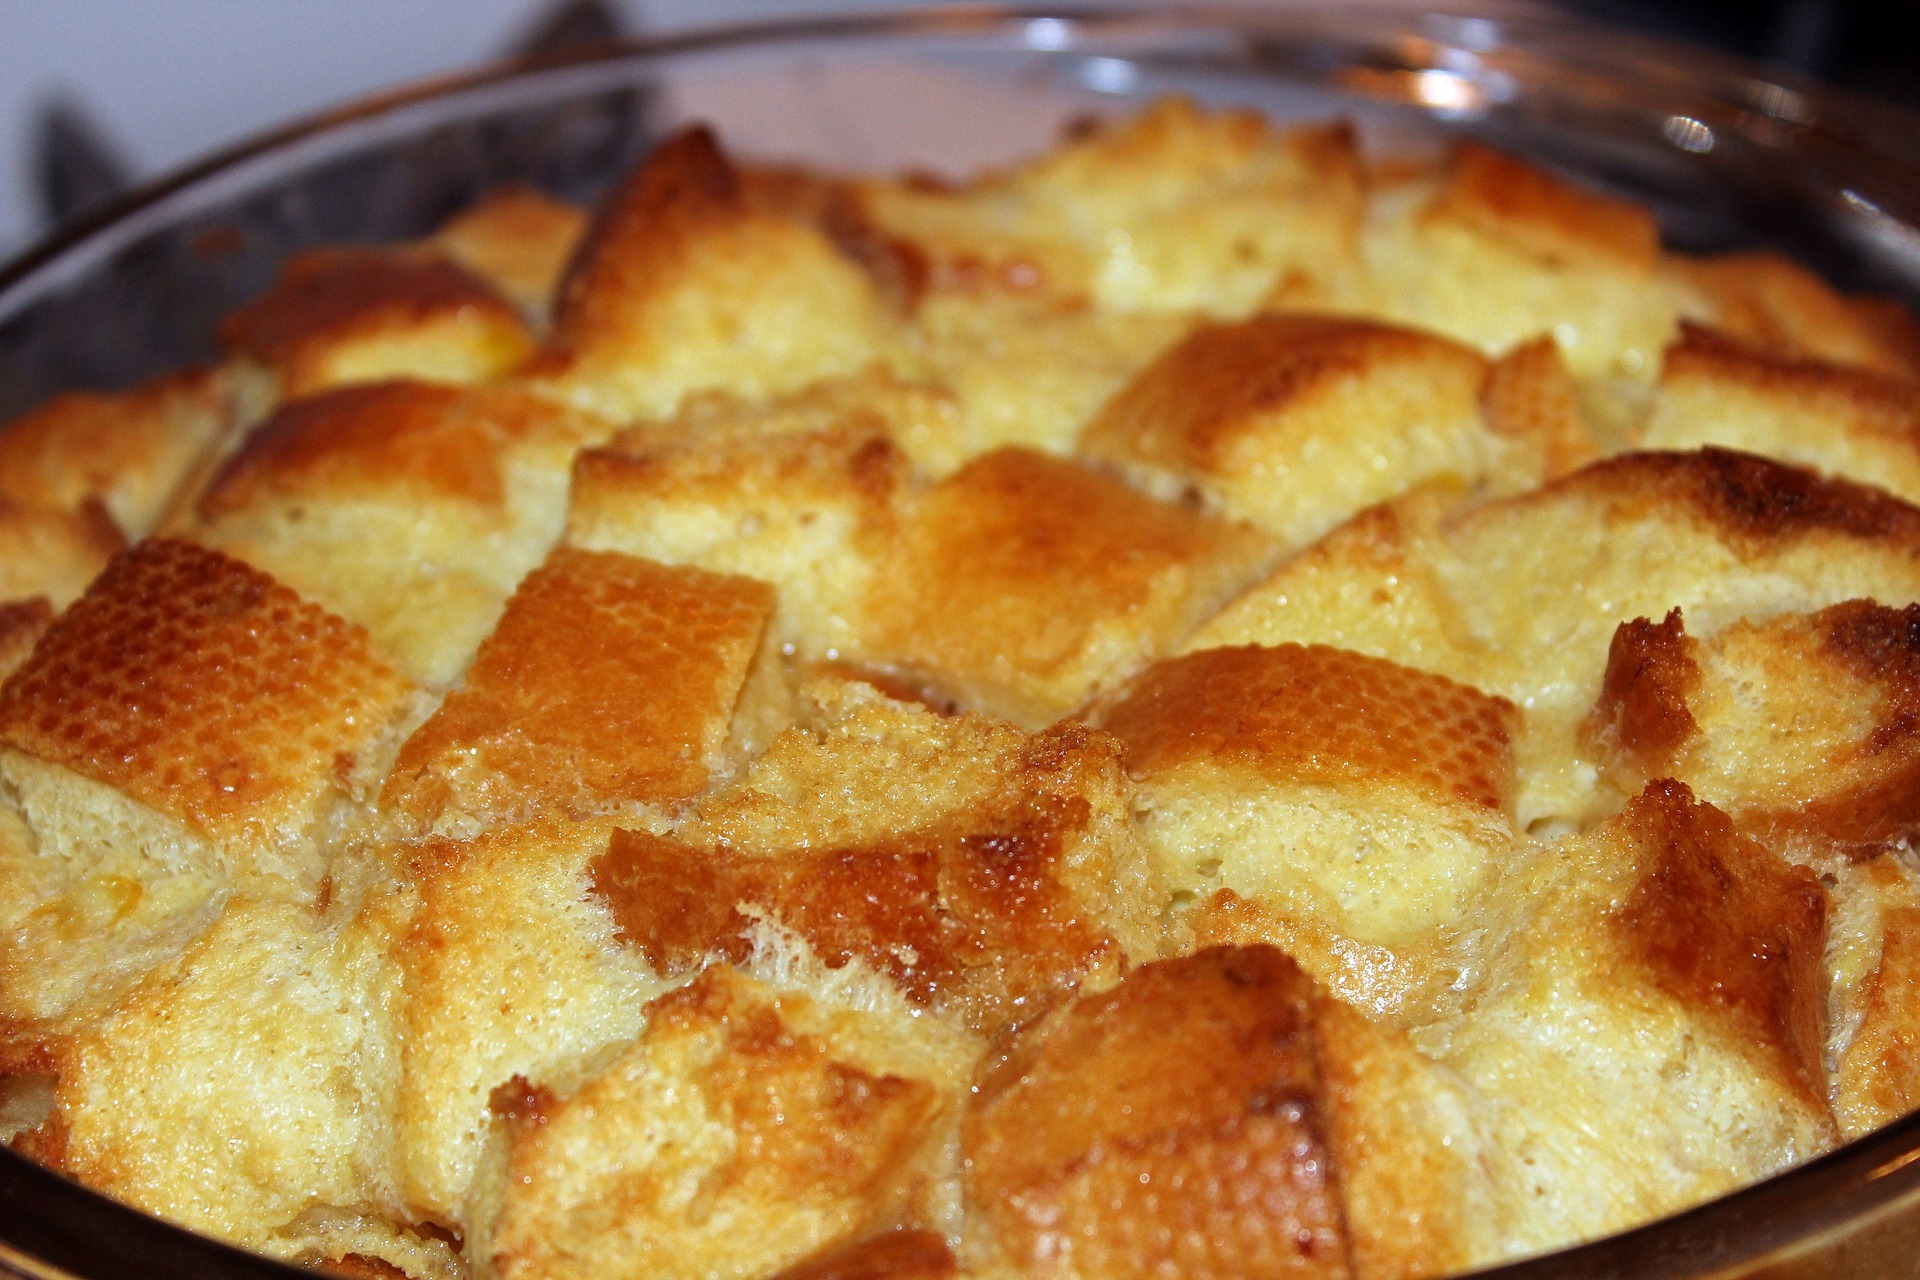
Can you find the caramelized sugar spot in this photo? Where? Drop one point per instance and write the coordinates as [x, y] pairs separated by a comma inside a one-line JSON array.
[[1169, 1126], [971, 914], [1718, 922], [1642, 710]]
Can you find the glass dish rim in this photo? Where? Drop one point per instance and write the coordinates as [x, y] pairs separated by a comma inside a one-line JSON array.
[[1759, 1223]]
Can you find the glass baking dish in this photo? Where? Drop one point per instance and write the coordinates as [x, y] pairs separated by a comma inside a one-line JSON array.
[[1726, 153]]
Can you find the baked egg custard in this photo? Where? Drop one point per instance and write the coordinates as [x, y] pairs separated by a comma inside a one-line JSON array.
[[1207, 705]]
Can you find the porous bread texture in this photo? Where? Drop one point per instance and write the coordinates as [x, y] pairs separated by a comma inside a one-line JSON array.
[[737, 900], [224, 714], [408, 507], [681, 285], [1218, 1115], [519, 240], [1178, 209], [1844, 421], [1348, 809], [129, 451], [1874, 959], [983, 870], [1520, 597], [1802, 727], [811, 511], [510, 968], [610, 680], [1658, 1023], [245, 1086], [1022, 585], [1242, 414], [747, 1128], [1493, 251], [345, 315]]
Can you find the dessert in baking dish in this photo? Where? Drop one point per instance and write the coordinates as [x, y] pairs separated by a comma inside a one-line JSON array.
[[1201, 706]]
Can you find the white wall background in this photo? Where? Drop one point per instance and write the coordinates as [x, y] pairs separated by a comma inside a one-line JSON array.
[[172, 79]]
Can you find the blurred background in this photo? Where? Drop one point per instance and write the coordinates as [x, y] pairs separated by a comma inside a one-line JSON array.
[[98, 93]]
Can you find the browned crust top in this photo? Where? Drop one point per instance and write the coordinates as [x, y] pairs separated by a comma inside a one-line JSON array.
[[199, 686], [1313, 713]]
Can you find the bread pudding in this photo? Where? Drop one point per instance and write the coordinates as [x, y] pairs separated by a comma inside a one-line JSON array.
[[1210, 704]]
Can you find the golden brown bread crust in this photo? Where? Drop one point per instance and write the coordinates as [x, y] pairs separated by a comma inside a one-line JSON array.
[[1024, 583], [1803, 728], [1195, 1075], [1730, 931], [202, 688], [1748, 500], [818, 1145], [1506, 197], [1529, 396], [341, 315], [1642, 711], [1232, 412], [707, 927], [609, 679], [1784, 309], [518, 240], [975, 913], [403, 434], [682, 285], [128, 450], [1317, 714], [1841, 419]]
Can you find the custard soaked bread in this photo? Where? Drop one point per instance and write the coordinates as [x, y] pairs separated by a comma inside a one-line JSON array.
[[1201, 705]]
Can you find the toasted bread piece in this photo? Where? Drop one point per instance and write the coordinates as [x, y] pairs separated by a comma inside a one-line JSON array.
[[814, 513], [1362, 806], [916, 844], [1023, 584], [1373, 585], [1530, 399], [1802, 727], [511, 968], [364, 315], [1177, 209], [682, 285], [244, 1085], [227, 713], [1023, 370], [518, 240], [129, 450], [1500, 251], [52, 553], [1295, 422], [1654, 1037], [1216, 1115], [408, 507], [609, 680], [803, 1124], [1849, 422], [1791, 313]]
